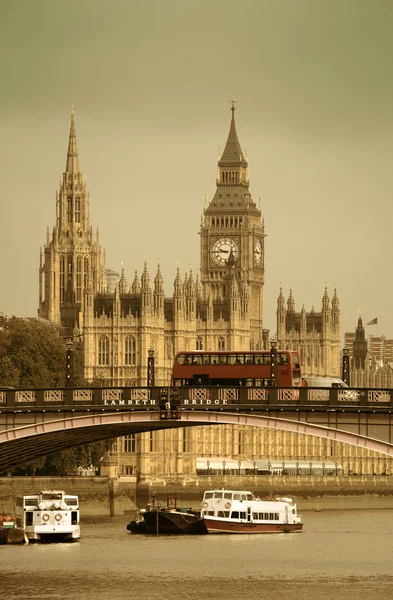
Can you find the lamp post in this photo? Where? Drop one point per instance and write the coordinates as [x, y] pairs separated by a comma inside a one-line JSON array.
[[273, 363], [336, 465], [269, 466], [224, 464], [150, 368], [345, 371], [208, 466], [297, 468], [239, 465], [255, 466], [69, 363], [310, 465], [323, 468], [283, 468]]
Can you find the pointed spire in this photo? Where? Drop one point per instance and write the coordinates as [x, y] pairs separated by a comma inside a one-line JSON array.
[[135, 287], [291, 302], [72, 165], [122, 282], [233, 153]]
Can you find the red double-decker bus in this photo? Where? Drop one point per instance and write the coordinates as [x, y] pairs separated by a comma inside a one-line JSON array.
[[236, 368]]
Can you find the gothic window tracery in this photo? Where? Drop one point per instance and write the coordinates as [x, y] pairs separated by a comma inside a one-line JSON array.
[[199, 343], [62, 278], [130, 351], [103, 351], [221, 343]]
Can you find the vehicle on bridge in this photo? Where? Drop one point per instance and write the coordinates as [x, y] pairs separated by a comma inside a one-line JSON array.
[[252, 369], [49, 516], [233, 511]]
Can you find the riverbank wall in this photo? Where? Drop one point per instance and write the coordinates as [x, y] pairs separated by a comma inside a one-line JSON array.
[[101, 496]]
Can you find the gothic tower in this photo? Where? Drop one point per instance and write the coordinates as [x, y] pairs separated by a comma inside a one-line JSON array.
[[72, 256], [232, 235], [360, 346]]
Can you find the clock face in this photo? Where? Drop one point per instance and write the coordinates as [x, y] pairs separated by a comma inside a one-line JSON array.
[[221, 250], [258, 253]]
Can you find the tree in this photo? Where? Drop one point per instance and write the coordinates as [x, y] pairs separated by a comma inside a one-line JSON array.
[[33, 355]]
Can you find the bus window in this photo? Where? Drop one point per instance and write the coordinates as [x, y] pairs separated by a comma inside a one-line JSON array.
[[214, 359], [223, 359], [206, 359], [282, 358], [196, 359], [232, 359]]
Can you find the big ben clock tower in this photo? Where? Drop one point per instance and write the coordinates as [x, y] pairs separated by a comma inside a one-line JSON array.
[[232, 236]]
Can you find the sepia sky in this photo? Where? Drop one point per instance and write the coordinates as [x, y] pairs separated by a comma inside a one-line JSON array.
[[151, 83]]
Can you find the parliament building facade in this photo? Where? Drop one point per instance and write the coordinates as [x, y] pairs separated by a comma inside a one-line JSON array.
[[218, 308]]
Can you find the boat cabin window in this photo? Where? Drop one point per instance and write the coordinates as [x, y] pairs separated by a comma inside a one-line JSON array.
[[51, 496], [29, 518], [217, 494], [223, 513], [208, 495], [238, 515], [228, 495], [71, 501], [210, 513], [30, 502]]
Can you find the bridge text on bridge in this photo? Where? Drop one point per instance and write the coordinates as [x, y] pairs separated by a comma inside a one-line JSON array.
[[205, 401], [129, 402]]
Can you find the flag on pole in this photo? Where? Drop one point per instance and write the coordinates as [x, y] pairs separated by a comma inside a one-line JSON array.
[[373, 322]]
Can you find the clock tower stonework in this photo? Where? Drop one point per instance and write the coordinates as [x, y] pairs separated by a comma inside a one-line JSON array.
[[232, 238]]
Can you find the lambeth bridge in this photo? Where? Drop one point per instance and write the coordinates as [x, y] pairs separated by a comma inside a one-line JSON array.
[[36, 423]]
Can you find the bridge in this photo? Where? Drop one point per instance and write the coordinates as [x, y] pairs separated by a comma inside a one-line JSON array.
[[36, 423]]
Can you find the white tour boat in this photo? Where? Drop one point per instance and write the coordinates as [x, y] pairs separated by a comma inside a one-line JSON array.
[[50, 516], [233, 511]]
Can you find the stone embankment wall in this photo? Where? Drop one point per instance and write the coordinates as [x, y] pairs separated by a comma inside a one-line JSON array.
[[97, 495], [123, 495]]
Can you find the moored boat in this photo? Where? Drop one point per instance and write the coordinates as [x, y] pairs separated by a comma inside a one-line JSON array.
[[168, 520], [49, 516], [236, 511], [9, 532]]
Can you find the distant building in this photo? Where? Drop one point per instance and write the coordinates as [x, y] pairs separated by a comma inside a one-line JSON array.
[[316, 335], [371, 361], [112, 279]]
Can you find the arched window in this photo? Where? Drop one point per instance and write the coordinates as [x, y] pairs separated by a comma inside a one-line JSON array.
[[62, 278], [103, 351], [85, 272], [77, 210], [69, 209], [130, 351], [78, 278], [221, 344], [199, 343]]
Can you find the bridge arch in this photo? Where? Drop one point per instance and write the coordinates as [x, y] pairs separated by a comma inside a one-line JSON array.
[[22, 444]]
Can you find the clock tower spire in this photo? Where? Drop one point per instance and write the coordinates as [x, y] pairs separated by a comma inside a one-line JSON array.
[[232, 226]]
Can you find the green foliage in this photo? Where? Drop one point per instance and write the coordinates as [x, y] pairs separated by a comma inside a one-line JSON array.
[[33, 355]]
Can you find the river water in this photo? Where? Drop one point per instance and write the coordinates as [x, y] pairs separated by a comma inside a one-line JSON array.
[[339, 555]]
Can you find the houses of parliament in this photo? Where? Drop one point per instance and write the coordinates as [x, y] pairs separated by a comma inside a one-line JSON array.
[[218, 308]]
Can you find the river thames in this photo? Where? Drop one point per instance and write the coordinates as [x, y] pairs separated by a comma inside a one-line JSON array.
[[339, 555]]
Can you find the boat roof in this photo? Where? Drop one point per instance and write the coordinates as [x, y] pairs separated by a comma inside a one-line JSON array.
[[231, 491]]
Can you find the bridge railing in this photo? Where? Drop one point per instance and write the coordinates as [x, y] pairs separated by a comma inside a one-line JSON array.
[[164, 397]]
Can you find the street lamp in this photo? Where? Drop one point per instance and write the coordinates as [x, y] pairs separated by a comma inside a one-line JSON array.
[[224, 464], [336, 465], [69, 364], [269, 466], [208, 466], [255, 466], [283, 467], [323, 468], [273, 363], [310, 465], [150, 368], [239, 465], [297, 468]]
